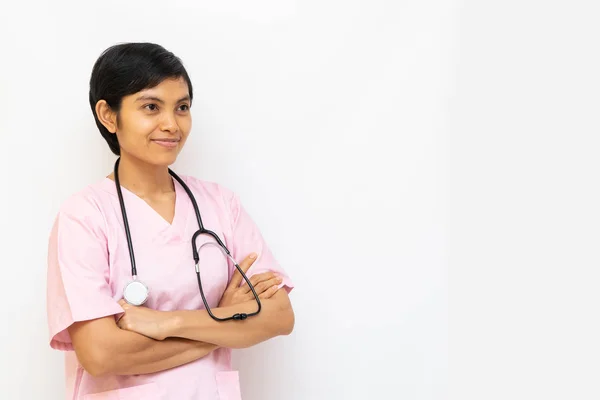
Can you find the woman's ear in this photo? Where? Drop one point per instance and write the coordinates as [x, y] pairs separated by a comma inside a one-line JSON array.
[[106, 116]]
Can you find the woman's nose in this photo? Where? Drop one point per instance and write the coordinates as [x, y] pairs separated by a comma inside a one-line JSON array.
[[169, 123]]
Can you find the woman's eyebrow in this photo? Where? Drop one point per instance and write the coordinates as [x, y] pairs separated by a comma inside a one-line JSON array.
[[154, 98]]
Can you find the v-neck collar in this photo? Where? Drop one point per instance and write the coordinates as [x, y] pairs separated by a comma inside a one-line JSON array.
[[133, 202]]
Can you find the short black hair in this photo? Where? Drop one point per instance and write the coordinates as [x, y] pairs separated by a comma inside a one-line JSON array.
[[127, 68]]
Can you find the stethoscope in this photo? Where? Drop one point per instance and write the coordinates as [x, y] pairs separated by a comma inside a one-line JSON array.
[[136, 292]]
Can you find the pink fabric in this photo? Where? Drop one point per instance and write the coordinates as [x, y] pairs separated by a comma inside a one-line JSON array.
[[88, 267]]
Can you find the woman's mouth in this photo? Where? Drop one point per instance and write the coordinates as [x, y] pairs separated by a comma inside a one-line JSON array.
[[168, 143]]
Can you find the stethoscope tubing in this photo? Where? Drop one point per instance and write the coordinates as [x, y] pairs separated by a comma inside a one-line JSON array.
[[195, 254]]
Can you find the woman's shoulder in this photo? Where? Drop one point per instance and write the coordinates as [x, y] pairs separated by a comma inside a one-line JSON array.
[[86, 202], [81, 215], [211, 191], [207, 187]]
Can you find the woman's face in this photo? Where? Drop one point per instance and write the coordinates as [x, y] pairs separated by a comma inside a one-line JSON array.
[[153, 124]]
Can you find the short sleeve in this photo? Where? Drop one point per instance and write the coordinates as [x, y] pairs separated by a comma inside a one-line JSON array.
[[246, 238], [78, 270]]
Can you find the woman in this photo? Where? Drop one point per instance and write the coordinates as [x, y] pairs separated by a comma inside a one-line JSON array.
[[170, 347]]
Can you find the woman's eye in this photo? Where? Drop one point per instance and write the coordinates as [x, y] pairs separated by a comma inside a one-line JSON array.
[[184, 107], [151, 107]]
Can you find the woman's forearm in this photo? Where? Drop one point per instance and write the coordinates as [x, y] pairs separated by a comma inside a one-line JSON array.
[[138, 354], [276, 318]]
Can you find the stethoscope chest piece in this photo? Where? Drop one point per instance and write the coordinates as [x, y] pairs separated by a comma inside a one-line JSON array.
[[136, 293]]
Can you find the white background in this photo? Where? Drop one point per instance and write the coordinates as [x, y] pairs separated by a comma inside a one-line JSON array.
[[524, 202], [376, 144], [329, 118]]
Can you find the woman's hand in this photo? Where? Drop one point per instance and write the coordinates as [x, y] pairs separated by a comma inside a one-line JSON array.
[[265, 285], [143, 320]]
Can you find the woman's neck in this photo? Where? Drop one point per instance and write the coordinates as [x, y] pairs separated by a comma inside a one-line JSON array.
[[143, 179]]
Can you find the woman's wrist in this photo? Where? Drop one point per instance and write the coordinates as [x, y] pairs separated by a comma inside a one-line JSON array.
[[182, 323], [171, 324]]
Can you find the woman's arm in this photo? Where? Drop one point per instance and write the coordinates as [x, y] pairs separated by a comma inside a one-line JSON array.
[[104, 349], [276, 318]]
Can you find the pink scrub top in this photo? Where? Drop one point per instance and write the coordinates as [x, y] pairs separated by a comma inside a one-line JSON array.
[[89, 265]]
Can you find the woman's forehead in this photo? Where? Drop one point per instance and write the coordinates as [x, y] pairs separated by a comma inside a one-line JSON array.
[[170, 90]]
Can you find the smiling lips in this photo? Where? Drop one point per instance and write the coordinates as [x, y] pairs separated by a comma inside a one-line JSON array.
[[168, 143]]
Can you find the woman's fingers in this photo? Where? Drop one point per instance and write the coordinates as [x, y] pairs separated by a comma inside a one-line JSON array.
[[245, 265], [269, 293], [265, 286], [258, 278]]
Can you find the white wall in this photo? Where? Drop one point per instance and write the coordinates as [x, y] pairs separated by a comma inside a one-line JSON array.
[[328, 118], [523, 201]]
